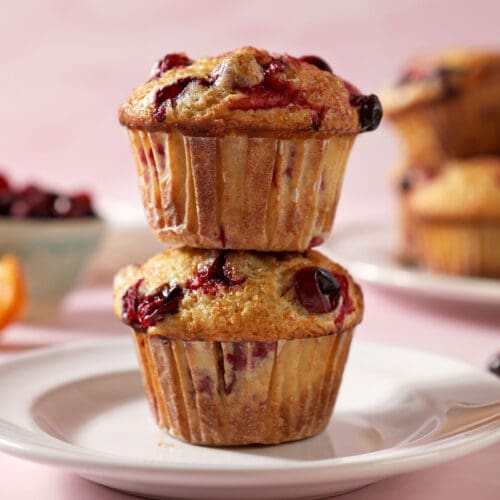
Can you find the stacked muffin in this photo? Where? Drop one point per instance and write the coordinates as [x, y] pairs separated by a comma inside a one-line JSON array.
[[243, 333], [446, 109]]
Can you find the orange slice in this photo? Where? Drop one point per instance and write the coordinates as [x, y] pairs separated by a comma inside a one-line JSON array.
[[12, 290]]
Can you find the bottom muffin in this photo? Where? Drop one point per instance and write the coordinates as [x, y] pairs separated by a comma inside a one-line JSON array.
[[457, 219], [240, 347]]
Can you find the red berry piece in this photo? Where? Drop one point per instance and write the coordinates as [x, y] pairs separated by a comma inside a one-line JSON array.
[[169, 93], [142, 311], [4, 183], [316, 289], [32, 202], [170, 61], [210, 278]]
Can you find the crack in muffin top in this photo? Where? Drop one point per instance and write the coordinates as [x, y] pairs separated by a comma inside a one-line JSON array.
[[249, 91]]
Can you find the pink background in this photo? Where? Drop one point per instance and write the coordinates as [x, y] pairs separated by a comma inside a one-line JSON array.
[[67, 65]]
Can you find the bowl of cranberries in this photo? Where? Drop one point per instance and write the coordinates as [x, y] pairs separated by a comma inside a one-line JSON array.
[[53, 235]]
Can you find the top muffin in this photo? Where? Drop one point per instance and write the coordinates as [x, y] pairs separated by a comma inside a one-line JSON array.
[[251, 90]]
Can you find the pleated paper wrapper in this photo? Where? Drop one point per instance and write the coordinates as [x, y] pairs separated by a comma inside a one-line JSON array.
[[237, 393], [240, 192]]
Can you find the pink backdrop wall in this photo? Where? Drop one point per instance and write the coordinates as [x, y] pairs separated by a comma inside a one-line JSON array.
[[67, 65]]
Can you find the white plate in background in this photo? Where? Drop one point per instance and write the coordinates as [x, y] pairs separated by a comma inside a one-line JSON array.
[[368, 252], [127, 240], [82, 408]]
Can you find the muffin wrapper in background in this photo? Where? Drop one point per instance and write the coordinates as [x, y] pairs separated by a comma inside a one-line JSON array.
[[240, 192], [406, 251], [236, 393], [452, 127], [461, 248]]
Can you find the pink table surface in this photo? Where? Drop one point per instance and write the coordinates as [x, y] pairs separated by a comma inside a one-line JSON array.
[[66, 66]]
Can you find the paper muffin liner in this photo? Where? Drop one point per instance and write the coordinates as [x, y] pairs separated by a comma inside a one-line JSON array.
[[240, 192], [452, 127], [406, 251], [460, 248], [237, 393]]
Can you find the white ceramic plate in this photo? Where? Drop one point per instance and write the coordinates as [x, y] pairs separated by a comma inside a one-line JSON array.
[[82, 407], [368, 251]]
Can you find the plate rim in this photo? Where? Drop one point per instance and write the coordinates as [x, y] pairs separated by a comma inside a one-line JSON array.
[[374, 463], [399, 277]]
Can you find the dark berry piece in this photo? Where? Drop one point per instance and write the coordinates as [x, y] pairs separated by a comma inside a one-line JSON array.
[[210, 278], [369, 110], [78, 205], [4, 183], [142, 311], [169, 93], [157, 306], [316, 289], [494, 365], [318, 62], [405, 184], [32, 202], [170, 61], [130, 303], [6, 198]]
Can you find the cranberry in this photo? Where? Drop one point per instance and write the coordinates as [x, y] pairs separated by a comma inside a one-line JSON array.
[[369, 110], [316, 61], [169, 93], [142, 311], [6, 198], [405, 184], [170, 61], [276, 92], [4, 183], [130, 303], [494, 365], [347, 305], [315, 241], [212, 277], [316, 289], [32, 202]]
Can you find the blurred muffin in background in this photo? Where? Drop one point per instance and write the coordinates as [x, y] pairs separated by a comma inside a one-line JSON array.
[[455, 218], [447, 105], [406, 179]]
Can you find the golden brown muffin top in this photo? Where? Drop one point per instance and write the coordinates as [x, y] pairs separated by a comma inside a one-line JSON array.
[[438, 76], [213, 295], [464, 190], [249, 90]]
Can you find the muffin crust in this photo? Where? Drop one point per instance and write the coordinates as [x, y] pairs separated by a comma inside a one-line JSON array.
[[251, 90], [463, 190], [260, 305]]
